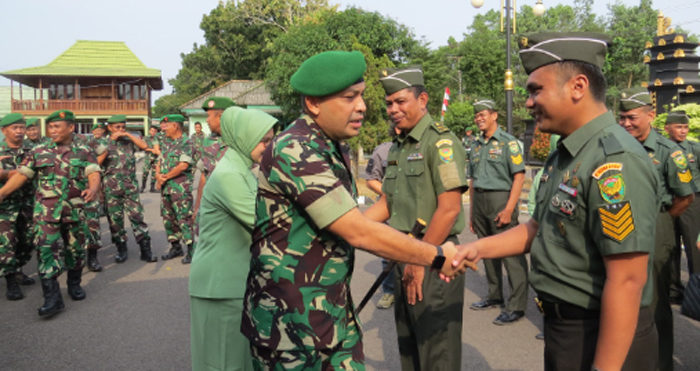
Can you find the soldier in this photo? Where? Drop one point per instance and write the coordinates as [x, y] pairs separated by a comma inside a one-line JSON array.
[[34, 137], [298, 309], [92, 208], [98, 131], [198, 136], [174, 175], [122, 190], [16, 243], [687, 227], [497, 175], [150, 160], [591, 237], [677, 193], [67, 175]]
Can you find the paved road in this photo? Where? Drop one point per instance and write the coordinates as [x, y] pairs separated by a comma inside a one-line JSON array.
[[136, 317]]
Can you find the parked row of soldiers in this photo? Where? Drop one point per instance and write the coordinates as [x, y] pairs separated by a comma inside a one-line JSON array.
[[50, 196]]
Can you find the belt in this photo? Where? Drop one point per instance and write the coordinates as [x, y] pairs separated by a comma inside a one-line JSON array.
[[568, 311], [481, 190]]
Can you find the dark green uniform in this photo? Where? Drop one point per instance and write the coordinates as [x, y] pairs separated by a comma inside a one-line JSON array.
[[421, 165], [493, 164]]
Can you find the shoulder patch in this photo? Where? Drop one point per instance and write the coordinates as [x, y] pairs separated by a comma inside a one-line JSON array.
[[446, 154], [616, 220], [602, 169], [440, 127], [611, 145], [612, 189], [517, 160], [685, 176], [679, 159], [514, 147], [443, 142]]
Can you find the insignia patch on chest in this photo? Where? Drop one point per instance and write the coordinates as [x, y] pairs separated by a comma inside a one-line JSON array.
[[517, 159], [443, 142], [566, 189], [685, 176], [602, 169], [446, 154], [616, 220], [495, 151], [415, 157], [612, 189]]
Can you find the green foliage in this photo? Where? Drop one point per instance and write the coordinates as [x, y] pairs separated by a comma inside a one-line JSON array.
[[693, 112], [459, 116], [168, 104]]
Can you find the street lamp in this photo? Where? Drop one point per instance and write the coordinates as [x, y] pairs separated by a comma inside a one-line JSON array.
[[506, 8]]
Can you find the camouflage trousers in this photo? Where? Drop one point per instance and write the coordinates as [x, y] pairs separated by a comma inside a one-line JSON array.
[[117, 205], [149, 168], [92, 214], [16, 243], [176, 210], [60, 246], [340, 358]]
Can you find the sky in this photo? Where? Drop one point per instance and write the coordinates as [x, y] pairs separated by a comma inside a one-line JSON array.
[[34, 32]]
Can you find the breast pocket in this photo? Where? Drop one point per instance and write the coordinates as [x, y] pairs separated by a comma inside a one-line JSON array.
[[414, 178]]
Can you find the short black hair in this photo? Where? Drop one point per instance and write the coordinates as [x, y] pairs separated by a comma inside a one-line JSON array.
[[418, 90], [597, 82], [197, 123]]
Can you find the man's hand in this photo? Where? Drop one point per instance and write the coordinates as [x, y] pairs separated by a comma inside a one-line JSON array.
[[118, 134], [413, 282], [88, 195], [503, 218], [452, 255]]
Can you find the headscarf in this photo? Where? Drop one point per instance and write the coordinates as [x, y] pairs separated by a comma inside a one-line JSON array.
[[242, 129]]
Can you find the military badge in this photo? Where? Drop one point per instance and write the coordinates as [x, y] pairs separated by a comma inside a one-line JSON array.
[[523, 41], [556, 201], [211, 104], [384, 73], [415, 157], [418, 145], [679, 159], [691, 158], [685, 176], [602, 169], [165, 119], [62, 115], [575, 181], [562, 229], [517, 160], [612, 189], [567, 207], [566, 189], [616, 220], [443, 142], [566, 177], [446, 155], [514, 147], [623, 95]]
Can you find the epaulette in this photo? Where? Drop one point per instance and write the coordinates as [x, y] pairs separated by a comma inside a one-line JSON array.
[[611, 145], [440, 127]]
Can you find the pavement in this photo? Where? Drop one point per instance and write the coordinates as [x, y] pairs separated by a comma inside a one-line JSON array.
[[136, 317]]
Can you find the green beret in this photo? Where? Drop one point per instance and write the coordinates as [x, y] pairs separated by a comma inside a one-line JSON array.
[[550, 47], [677, 117], [395, 79], [116, 119], [328, 73], [61, 115], [483, 104], [13, 118], [173, 118], [634, 98], [217, 103], [97, 126], [32, 122]]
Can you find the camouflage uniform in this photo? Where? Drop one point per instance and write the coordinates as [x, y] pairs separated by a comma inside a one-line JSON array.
[[92, 208], [211, 151], [198, 142], [149, 163], [298, 307], [62, 174], [16, 243], [33, 143], [176, 204]]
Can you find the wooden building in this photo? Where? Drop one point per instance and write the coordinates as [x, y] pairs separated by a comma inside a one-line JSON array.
[[94, 79]]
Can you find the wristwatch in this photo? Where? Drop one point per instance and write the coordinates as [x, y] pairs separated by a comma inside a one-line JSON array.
[[439, 260]]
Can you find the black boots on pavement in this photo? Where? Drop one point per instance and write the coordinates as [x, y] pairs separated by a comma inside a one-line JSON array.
[[92, 263], [122, 253], [188, 257], [174, 252], [53, 302], [73, 281], [146, 254], [13, 290]]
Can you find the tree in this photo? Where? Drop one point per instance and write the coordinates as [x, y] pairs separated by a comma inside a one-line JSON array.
[[459, 116]]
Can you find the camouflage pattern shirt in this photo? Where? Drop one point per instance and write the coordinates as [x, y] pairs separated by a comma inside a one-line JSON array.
[[298, 292], [211, 151], [61, 173], [120, 166], [23, 197], [151, 141], [33, 143], [173, 152]]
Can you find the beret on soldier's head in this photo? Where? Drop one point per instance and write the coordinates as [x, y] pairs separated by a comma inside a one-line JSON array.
[[395, 79], [328, 73], [634, 98], [217, 103], [677, 117], [173, 118], [483, 104], [13, 118], [61, 115], [97, 126], [545, 48], [117, 119], [32, 122]]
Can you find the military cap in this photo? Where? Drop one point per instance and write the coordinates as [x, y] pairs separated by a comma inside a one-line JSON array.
[[97, 126], [545, 48], [173, 118], [13, 118], [483, 104], [32, 122], [117, 119], [395, 79], [61, 115], [677, 117], [634, 98], [328, 73], [217, 103]]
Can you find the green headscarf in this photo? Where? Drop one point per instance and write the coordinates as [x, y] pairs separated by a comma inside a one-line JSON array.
[[242, 129]]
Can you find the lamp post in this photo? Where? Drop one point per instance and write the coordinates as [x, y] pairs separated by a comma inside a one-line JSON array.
[[506, 9]]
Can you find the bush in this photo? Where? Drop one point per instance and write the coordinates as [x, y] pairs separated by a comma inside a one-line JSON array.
[[540, 145], [693, 112]]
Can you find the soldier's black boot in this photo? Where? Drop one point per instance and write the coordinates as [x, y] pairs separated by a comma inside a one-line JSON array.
[[153, 188], [74, 290], [188, 257], [24, 280], [146, 254], [53, 302], [13, 291], [122, 253], [143, 183], [174, 252], [92, 263]]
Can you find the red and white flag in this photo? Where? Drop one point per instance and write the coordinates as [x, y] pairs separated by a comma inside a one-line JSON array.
[[445, 102]]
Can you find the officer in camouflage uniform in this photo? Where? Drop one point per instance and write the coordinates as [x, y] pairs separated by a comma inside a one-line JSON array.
[[67, 177], [92, 208], [298, 309], [150, 160], [122, 190], [198, 138], [16, 243], [174, 179], [34, 137]]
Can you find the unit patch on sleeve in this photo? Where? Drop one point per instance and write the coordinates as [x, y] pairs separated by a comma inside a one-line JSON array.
[[446, 154], [443, 142], [514, 147], [616, 220], [602, 169], [612, 188], [679, 159]]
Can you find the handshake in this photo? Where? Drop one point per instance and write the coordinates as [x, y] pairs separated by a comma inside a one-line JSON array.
[[457, 259]]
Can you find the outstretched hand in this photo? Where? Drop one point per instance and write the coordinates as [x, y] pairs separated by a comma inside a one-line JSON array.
[[449, 269]]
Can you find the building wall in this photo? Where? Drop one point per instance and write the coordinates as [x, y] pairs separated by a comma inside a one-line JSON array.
[[6, 96]]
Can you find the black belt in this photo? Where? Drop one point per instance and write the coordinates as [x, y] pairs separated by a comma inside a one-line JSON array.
[[568, 311], [481, 190]]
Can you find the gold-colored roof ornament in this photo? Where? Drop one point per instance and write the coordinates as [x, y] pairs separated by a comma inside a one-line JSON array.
[[678, 81], [663, 26], [647, 59], [679, 53], [662, 42], [645, 84], [689, 89], [679, 39], [648, 45], [660, 57], [658, 82]]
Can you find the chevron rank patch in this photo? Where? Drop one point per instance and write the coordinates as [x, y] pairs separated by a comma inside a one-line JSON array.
[[685, 176], [616, 220], [517, 159]]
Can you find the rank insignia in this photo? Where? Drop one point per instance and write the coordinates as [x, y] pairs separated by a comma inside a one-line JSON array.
[[566, 177], [566, 189], [495, 151], [616, 220], [556, 201], [418, 145], [567, 207], [517, 159], [443, 142], [679, 159], [602, 169], [685, 176], [575, 181], [514, 147], [612, 188], [445, 154]]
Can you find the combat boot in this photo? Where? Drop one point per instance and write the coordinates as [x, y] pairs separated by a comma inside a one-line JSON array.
[[188, 257], [13, 291], [153, 188], [23, 279], [53, 302], [174, 252], [122, 253], [92, 263], [143, 183], [74, 290], [146, 254]]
